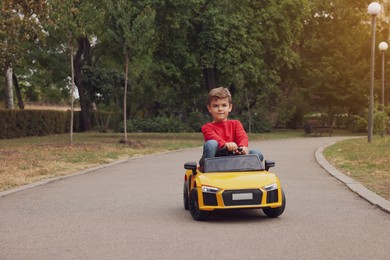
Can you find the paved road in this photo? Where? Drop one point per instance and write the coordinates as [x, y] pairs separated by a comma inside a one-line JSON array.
[[133, 210]]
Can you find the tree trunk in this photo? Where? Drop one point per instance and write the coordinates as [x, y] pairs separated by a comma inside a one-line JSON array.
[[125, 99], [249, 111], [209, 75], [71, 96], [81, 57], [8, 89], [18, 93], [330, 116]]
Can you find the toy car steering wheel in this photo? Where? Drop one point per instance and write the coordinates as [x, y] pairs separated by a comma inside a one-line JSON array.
[[225, 152]]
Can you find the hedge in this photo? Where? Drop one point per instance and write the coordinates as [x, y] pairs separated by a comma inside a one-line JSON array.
[[21, 123]]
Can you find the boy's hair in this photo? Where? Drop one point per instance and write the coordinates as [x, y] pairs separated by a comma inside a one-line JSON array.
[[217, 93]]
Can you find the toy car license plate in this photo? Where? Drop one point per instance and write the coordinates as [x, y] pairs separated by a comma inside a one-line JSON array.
[[242, 196]]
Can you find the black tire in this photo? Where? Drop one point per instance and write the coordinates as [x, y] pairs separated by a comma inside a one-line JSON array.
[[196, 213], [185, 196], [276, 212]]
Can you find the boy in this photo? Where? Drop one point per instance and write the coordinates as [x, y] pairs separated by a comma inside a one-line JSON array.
[[221, 132]]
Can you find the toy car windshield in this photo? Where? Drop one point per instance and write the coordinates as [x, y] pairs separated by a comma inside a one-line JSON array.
[[239, 163]]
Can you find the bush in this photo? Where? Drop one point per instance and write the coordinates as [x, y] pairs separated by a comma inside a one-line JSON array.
[[381, 120], [21, 123], [359, 124], [196, 120], [103, 121], [157, 125], [259, 123]]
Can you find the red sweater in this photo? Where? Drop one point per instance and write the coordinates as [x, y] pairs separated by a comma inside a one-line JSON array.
[[227, 131]]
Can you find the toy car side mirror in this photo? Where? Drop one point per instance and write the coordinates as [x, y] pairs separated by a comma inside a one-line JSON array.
[[191, 166], [269, 164]]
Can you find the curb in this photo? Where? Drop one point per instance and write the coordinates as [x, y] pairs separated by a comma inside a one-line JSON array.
[[353, 185]]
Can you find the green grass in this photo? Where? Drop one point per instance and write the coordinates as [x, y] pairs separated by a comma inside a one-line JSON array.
[[367, 163]]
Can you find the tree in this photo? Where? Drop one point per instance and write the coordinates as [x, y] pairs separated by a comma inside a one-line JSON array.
[[180, 87], [79, 23], [268, 53], [21, 22], [335, 52], [242, 45], [219, 35], [44, 72], [130, 25], [172, 52]]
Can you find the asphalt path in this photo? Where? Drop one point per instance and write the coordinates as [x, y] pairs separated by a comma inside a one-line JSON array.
[[134, 210]]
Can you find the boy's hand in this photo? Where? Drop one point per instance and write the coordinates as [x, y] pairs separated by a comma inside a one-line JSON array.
[[232, 146], [243, 150]]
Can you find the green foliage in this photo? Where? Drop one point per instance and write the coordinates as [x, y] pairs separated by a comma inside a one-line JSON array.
[[20, 23], [192, 36], [359, 124], [269, 51], [286, 111], [335, 57], [102, 84], [21, 123], [259, 123], [280, 59], [130, 26], [196, 120], [219, 31], [157, 125], [81, 18], [105, 121], [381, 122]]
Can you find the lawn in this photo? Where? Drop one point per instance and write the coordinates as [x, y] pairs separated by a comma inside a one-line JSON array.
[[367, 163]]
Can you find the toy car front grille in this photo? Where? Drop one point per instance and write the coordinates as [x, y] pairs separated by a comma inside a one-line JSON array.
[[272, 196], [242, 197], [209, 199]]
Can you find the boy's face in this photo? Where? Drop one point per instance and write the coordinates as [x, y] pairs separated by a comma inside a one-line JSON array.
[[220, 108]]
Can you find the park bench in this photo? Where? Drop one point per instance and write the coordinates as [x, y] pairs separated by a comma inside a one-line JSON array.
[[316, 128]]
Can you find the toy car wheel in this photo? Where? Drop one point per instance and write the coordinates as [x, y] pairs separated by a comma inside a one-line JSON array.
[[276, 212], [196, 213], [185, 196]]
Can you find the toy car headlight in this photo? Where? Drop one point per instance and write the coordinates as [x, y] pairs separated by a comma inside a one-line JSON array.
[[271, 187], [208, 189]]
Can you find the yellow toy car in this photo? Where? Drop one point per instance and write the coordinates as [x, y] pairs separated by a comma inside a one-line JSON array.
[[232, 182]]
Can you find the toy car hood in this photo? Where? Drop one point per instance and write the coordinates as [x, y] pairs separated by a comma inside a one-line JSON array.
[[235, 172], [237, 180]]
